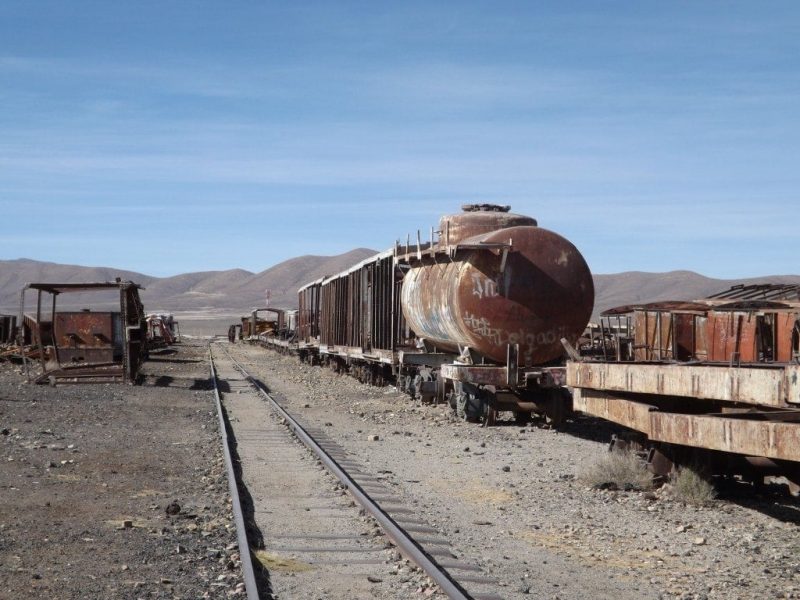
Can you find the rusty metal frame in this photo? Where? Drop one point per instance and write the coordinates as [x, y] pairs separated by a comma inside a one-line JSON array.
[[771, 386], [774, 434], [131, 330]]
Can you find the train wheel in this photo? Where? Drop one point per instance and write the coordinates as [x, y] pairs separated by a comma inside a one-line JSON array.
[[558, 406], [522, 417], [470, 403]]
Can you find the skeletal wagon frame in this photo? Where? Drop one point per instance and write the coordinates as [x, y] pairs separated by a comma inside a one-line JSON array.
[[84, 346]]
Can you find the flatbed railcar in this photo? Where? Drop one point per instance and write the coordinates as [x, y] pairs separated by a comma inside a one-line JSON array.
[[717, 377]]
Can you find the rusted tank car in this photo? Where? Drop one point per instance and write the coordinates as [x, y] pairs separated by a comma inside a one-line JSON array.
[[717, 374], [497, 279], [475, 316]]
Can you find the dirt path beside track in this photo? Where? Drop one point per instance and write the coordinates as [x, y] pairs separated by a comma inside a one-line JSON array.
[[116, 491]]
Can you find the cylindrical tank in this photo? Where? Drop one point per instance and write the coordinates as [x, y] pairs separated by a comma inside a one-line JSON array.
[[543, 292]]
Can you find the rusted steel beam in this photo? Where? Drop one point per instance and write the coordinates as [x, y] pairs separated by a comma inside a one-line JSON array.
[[765, 386], [635, 415], [777, 440], [774, 439]]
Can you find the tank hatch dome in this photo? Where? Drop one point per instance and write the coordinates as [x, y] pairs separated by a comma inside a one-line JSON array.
[[478, 219]]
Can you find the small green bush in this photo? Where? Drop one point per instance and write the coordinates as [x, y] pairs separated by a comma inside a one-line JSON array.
[[619, 470], [690, 486]]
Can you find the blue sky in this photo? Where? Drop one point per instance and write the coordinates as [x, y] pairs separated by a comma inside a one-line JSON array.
[[168, 137]]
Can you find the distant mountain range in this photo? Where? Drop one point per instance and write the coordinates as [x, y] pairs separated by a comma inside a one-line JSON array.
[[236, 290]]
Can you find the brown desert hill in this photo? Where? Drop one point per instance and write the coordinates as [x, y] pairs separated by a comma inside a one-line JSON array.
[[193, 290], [284, 279], [236, 290], [232, 290], [16, 273]]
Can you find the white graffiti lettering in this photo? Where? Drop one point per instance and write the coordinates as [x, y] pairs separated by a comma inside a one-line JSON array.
[[483, 287]]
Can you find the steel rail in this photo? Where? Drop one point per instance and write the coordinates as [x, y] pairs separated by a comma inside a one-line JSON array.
[[410, 548], [241, 532]]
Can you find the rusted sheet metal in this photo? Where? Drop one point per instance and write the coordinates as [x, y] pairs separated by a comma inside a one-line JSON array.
[[512, 283], [635, 415], [750, 330], [785, 328], [81, 337], [774, 386], [308, 312], [787, 293], [663, 306], [358, 307], [481, 375], [742, 436], [731, 336]]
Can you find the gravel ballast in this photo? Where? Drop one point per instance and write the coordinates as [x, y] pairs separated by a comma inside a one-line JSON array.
[[512, 499]]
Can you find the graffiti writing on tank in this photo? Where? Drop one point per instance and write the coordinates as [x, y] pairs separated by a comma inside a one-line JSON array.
[[482, 327], [528, 342], [483, 287]]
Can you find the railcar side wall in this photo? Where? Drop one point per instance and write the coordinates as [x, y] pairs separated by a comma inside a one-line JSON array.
[[359, 309]]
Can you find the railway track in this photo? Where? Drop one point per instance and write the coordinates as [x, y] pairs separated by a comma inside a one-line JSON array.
[[302, 493]]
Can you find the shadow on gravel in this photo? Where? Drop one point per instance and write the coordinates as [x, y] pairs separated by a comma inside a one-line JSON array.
[[591, 428], [163, 352], [188, 383], [772, 500], [254, 536], [174, 360]]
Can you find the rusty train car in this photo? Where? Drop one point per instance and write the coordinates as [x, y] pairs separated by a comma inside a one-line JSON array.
[[717, 376], [483, 313], [475, 316]]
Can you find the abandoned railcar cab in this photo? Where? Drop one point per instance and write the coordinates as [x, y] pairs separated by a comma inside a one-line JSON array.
[[86, 345]]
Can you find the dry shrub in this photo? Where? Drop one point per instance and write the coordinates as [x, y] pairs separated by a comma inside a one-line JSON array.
[[619, 469], [689, 485]]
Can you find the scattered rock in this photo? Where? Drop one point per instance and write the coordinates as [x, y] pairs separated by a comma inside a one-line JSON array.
[[173, 508]]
